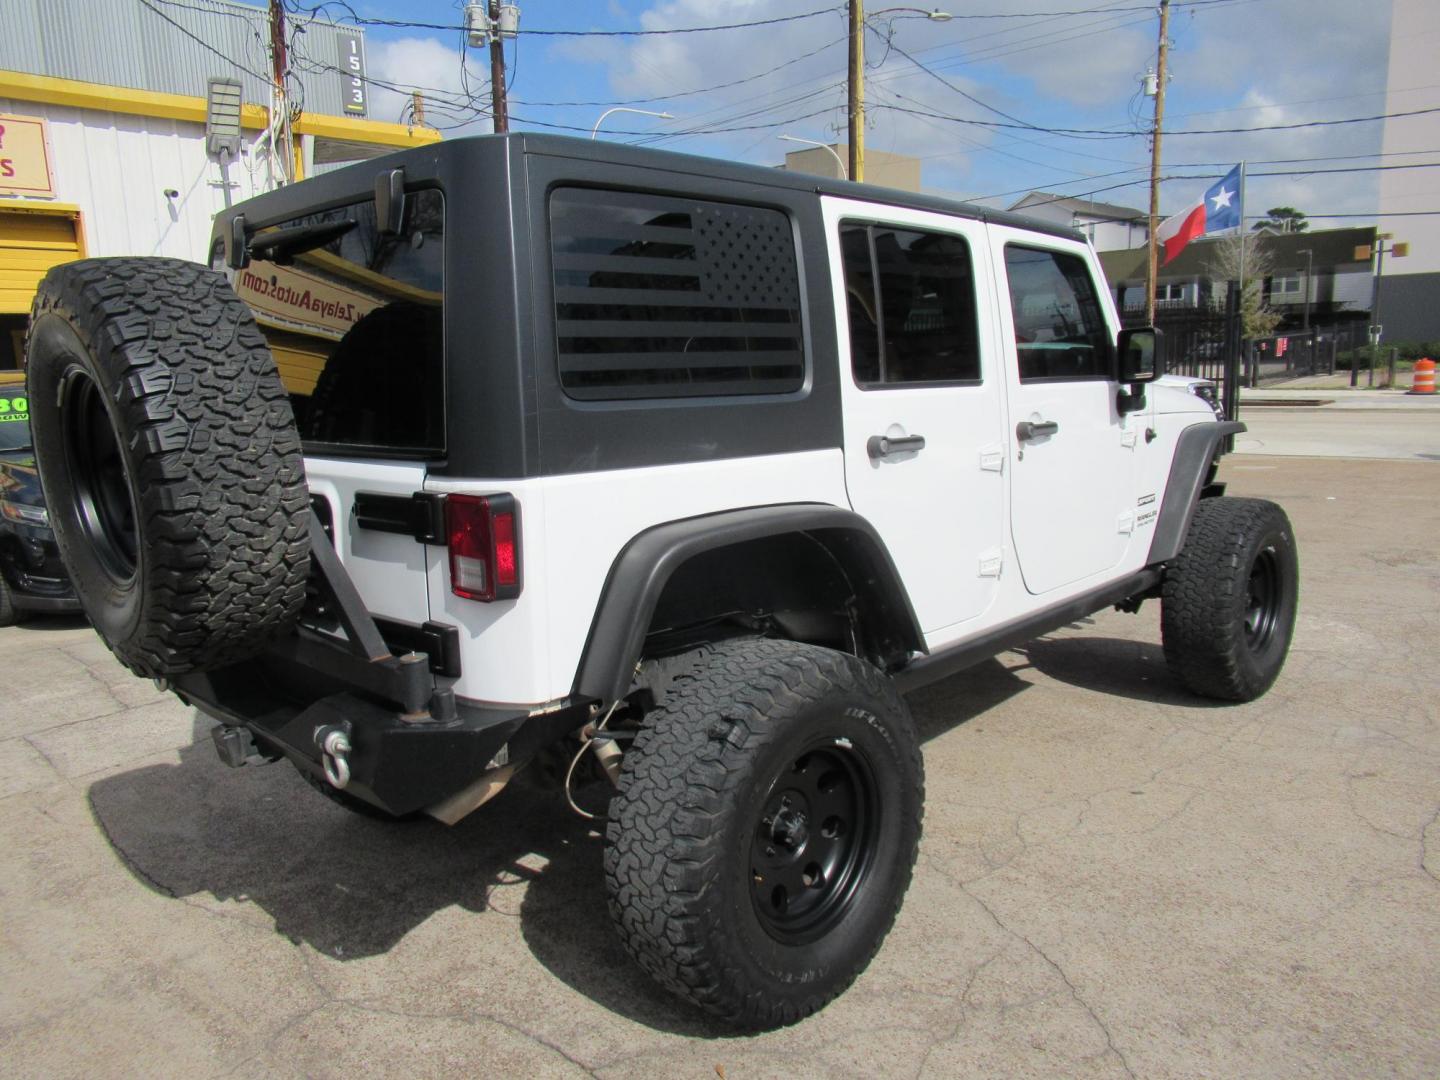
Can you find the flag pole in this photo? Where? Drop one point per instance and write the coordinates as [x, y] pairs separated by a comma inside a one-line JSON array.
[[1243, 238]]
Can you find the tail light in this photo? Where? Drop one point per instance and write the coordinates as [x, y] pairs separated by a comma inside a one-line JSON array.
[[484, 538]]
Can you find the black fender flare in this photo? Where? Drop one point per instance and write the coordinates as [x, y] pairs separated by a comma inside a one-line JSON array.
[[1194, 451], [645, 565]]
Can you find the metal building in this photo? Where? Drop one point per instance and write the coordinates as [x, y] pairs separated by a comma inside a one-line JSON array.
[[102, 128]]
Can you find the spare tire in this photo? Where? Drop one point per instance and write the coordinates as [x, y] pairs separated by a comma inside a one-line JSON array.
[[170, 462]]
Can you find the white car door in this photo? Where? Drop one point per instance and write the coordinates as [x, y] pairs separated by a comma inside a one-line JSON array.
[[921, 385], [1073, 453]]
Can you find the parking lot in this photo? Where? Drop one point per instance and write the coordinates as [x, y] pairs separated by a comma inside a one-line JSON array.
[[1116, 879]]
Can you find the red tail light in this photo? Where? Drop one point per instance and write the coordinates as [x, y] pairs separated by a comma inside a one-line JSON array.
[[484, 538]]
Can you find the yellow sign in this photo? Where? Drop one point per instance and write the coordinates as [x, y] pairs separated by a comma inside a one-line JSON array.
[[25, 157]]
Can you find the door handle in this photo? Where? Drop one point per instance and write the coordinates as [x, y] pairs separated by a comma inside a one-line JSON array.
[[884, 446], [1027, 429]]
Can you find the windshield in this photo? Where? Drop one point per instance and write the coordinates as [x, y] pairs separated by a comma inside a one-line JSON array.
[[14, 419]]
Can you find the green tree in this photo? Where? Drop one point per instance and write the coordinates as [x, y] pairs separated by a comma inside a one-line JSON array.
[[1285, 219]]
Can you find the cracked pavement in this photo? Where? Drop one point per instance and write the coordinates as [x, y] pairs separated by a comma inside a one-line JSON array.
[[1116, 879]]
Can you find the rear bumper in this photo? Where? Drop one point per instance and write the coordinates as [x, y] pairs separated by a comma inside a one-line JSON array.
[[401, 760]]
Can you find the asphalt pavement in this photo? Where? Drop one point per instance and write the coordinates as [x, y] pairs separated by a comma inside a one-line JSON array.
[[1116, 879]]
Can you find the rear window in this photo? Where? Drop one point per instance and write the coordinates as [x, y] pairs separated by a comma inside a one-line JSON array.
[[354, 321], [660, 297]]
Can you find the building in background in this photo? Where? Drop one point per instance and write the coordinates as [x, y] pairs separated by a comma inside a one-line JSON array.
[[1109, 227], [102, 128], [1315, 280], [882, 169], [1410, 288]]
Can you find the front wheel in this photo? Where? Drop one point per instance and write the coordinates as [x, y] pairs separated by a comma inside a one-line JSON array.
[[765, 830], [1230, 598]]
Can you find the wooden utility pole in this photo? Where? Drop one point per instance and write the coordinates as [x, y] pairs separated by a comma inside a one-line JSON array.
[[499, 110], [856, 108], [1152, 263], [282, 147]]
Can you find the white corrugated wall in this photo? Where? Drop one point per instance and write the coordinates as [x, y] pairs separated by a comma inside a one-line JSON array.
[[117, 168]]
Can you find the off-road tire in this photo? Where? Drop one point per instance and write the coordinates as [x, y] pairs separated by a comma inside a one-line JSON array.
[[679, 842], [170, 462], [355, 804], [1229, 599]]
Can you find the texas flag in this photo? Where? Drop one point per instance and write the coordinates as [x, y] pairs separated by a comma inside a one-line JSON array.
[[1218, 209]]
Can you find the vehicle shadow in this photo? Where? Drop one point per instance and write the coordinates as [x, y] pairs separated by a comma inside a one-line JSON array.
[[48, 622], [1117, 667], [350, 887]]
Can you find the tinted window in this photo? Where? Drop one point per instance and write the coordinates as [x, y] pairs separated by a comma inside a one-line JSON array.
[[354, 321], [659, 297], [1060, 332], [910, 298]]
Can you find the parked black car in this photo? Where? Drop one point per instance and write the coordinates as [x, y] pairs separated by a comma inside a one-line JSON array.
[[32, 578]]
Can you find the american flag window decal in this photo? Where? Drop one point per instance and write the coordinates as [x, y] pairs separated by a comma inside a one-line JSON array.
[[664, 297]]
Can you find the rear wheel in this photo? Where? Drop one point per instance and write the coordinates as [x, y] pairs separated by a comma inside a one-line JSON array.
[[1230, 599], [766, 828], [170, 462]]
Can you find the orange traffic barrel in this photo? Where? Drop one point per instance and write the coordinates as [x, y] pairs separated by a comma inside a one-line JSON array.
[[1423, 381]]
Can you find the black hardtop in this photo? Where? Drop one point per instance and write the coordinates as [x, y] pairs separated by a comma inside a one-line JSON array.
[[457, 157]]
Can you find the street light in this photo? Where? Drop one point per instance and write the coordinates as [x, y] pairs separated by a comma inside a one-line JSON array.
[[621, 108], [1309, 264], [855, 102], [824, 146]]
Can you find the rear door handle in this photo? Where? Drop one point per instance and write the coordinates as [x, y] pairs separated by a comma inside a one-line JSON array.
[[1026, 429], [884, 446]]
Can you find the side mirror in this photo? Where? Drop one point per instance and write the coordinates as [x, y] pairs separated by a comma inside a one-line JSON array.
[[1139, 354], [390, 202]]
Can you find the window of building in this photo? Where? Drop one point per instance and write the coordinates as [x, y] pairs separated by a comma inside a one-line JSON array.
[[659, 297], [1172, 292], [353, 318], [1060, 330], [1286, 286], [910, 299]]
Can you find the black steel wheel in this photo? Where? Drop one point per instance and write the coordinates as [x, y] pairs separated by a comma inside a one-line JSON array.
[[813, 842], [1230, 598], [100, 491], [765, 830]]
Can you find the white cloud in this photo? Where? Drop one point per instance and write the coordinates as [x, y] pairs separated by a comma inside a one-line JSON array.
[[433, 68]]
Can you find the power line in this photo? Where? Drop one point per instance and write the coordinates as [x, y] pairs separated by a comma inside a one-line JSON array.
[[205, 44]]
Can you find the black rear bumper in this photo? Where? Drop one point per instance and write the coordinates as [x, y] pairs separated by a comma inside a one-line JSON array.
[[401, 759]]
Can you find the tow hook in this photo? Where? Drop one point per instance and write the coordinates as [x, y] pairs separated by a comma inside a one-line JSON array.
[[334, 744]]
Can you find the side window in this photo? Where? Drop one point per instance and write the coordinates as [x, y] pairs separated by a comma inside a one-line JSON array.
[[910, 299], [662, 297], [1060, 332]]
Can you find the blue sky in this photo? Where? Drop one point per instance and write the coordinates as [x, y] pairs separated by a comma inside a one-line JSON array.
[[1234, 63]]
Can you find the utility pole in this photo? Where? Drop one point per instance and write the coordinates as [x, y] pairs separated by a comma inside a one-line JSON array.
[[856, 110], [1152, 262], [499, 109], [281, 147]]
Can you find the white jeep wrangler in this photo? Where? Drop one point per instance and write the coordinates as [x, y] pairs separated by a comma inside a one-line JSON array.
[[685, 468]]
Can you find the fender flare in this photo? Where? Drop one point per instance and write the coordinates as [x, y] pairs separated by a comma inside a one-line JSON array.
[[1194, 451], [645, 565]]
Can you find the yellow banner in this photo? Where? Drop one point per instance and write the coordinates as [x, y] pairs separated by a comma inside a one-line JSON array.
[[25, 157]]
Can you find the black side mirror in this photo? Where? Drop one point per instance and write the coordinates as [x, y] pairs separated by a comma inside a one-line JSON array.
[[390, 202], [1139, 351]]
